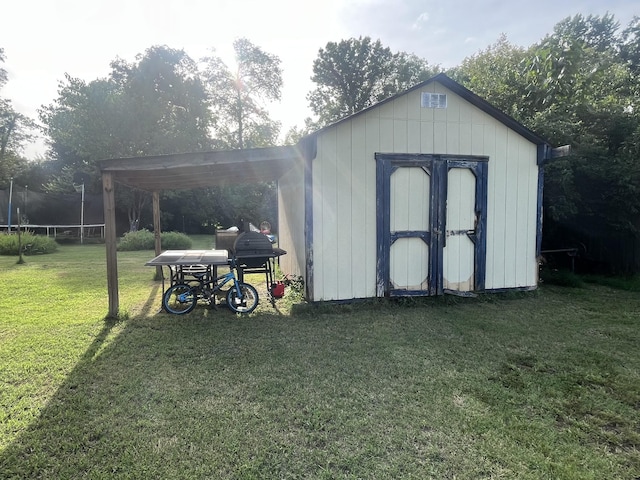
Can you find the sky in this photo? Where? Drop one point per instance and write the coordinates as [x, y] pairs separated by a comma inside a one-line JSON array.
[[45, 39]]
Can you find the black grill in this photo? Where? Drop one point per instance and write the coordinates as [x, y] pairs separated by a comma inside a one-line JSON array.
[[254, 253], [253, 249]]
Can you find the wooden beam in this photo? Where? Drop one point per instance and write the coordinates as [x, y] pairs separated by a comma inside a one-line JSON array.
[[200, 176], [203, 169], [156, 230], [199, 159], [109, 204]]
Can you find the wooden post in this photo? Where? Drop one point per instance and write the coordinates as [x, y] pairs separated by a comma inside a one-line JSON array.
[[109, 203], [20, 259], [156, 230]]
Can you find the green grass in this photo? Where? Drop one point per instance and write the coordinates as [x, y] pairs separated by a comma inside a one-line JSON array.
[[526, 386], [630, 283]]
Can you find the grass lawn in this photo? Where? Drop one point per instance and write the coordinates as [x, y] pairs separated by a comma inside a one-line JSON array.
[[528, 386]]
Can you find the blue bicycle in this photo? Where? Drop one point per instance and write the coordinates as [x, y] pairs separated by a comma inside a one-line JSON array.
[[183, 297]]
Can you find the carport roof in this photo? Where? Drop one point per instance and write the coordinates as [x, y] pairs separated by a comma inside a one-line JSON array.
[[203, 169]]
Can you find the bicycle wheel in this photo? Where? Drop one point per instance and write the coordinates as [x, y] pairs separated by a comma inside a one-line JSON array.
[[247, 303], [179, 299]]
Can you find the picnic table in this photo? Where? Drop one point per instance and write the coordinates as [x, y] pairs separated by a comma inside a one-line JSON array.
[[183, 264]]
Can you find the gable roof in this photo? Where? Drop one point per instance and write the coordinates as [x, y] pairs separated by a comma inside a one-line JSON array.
[[464, 93]]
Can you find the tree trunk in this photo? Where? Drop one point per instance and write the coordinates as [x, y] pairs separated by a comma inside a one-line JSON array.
[[134, 212]]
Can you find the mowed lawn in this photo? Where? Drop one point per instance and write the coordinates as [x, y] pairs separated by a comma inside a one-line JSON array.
[[542, 385]]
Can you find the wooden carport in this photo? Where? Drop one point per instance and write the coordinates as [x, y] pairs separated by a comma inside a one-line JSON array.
[[183, 171]]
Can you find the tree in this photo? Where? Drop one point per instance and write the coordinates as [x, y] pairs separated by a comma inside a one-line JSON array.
[[4, 76], [630, 49], [237, 96], [15, 131], [294, 134], [569, 62], [354, 74], [493, 74], [580, 88], [167, 102], [203, 210], [156, 105]]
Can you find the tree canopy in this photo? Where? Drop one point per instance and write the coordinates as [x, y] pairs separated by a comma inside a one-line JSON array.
[[577, 86], [354, 74], [164, 103], [239, 96], [16, 130], [155, 105]]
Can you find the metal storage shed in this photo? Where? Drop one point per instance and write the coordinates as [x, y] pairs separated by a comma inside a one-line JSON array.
[[428, 192]]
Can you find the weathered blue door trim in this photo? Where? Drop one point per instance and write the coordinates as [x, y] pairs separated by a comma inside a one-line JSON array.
[[438, 224], [539, 216], [438, 167], [386, 164], [482, 187], [479, 167], [544, 154], [309, 149], [383, 241]]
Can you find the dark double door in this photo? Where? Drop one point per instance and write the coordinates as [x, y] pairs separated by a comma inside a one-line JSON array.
[[431, 230]]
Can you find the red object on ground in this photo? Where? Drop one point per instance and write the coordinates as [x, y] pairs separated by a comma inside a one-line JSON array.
[[277, 290]]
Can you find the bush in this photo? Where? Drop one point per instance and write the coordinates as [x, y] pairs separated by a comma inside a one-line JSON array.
[[140, 240], [31, 244], [144, 240], [175, 241]]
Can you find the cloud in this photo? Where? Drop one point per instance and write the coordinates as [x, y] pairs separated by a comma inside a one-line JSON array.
[[422, 19], [445, 33]]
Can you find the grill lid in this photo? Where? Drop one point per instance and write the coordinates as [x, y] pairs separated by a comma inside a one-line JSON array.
[[254, 244]]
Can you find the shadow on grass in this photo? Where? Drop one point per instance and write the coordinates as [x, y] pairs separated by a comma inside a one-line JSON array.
[[364, 390], [141, 402], [60, 428], [215, 395], [151, 304]]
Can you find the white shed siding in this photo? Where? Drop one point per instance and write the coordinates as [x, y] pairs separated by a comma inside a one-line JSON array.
[[325, 217], [345, 192], [368, 237], [344, 189], [291, 229], [362, 213], [511, 212], [344, 212]]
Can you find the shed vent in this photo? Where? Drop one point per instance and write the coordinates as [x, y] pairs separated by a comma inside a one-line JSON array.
[[433, 100]]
